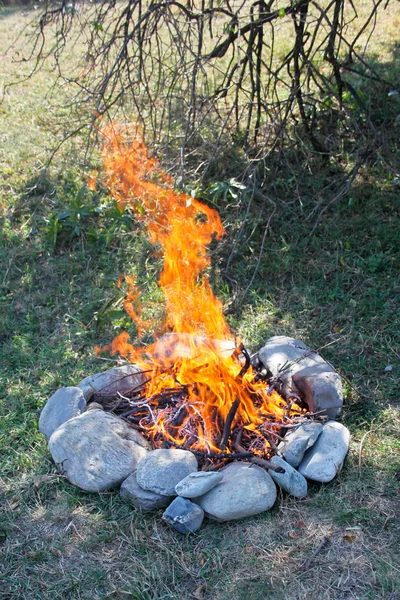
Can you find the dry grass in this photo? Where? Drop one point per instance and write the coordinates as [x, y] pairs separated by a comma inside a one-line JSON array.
[[103, 549], [58, 542]]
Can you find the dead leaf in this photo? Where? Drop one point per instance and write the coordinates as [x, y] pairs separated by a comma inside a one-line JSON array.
[[349, 538], [199, 592], [300, 524]]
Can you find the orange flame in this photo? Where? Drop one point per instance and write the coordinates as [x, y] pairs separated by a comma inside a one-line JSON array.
[[198, 356]]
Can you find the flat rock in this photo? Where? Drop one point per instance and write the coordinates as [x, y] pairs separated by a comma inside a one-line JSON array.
[[65, 404], [298, 440], [161, 470], [184, 516], [97, 451], [198, 483], [245, 490], [132, 492], [291, 480], [304, 372], [109, 383], [324, 460]]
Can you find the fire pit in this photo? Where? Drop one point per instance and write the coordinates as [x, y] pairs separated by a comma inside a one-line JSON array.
[[193, 422]]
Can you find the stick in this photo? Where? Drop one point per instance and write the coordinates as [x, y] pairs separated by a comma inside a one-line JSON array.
[[270, 441], [247, 364], [256, 460], [179, 417], [318, 549], [267, 464], [228, 423], [222, 455]]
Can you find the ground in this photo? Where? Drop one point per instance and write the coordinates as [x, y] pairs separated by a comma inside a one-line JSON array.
[[62, 249]]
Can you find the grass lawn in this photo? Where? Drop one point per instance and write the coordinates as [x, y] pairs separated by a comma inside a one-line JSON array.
[[62, 249]]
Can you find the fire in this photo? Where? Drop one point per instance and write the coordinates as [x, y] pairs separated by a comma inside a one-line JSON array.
[[200, 385]]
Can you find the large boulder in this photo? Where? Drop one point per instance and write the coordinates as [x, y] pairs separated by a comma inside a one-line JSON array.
[[97, 451], [65, 404], [162, 469], [108, 383], [325, 458], [305, 373], [245, 490]]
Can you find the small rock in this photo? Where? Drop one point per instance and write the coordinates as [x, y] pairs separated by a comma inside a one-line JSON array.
[[161, 470], [97, 451], [184, 516], [109, 383], [94, 406], [65, 404], [304, 372], [298, 440], [325, 459], [245, 490], [132, 492], [291, 480], [198, 483]]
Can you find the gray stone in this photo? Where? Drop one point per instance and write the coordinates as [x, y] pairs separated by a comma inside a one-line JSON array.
[[198, 483], [291, 480], [184, 516], [94, 406], [132, 492], [109, 383], [161, 470], [245, 490], [325, 459], [298, 440], [65, 404], [304, 372], [97, 451]]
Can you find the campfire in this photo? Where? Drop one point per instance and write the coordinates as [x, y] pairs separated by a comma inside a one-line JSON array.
[[201, 391], [193, 422], [207, 398]]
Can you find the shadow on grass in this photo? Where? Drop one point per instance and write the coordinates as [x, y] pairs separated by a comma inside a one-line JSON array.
[[107, 548], [342, 288]]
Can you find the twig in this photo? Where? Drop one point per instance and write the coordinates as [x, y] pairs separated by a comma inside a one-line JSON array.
[[341, 194], [247, 364], [318, 549], [215, 455], [261, 462], [228, 423], [270, 441]]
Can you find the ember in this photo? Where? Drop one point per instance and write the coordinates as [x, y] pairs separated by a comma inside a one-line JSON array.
[[200, 390]]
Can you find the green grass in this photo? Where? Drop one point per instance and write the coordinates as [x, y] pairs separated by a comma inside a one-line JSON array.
[[62, 249]]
